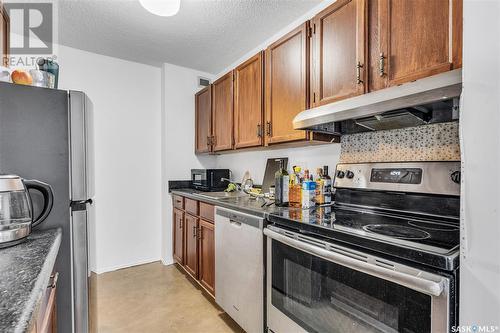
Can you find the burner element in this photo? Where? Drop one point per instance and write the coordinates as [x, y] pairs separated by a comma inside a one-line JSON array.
[[397, 231]]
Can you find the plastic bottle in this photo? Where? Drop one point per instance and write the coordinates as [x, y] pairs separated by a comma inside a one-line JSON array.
[[308, 191]]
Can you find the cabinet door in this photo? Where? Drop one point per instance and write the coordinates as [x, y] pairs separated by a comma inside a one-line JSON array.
[[338, 52], [4, 34], [203, 110], [178, 235], [191, 245], [287, 79], [248, 102], [207, 256], [222, 113], [412, 39]]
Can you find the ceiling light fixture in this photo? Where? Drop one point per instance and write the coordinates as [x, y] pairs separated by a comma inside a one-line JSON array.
[[161, 7]]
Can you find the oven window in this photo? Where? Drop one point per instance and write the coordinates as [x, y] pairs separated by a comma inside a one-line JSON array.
[[322, 296]]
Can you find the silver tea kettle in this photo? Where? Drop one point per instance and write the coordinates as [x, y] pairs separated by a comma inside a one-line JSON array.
[[16, 208]]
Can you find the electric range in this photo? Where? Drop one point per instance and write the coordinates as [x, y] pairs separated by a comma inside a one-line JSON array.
[[382, 258]]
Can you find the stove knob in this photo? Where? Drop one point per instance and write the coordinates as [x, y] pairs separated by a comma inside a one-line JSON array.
[[349, 174], [340, 174], [455, 177]]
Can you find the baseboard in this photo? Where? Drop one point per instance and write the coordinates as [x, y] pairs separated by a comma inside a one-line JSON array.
[[167, 262], [117, 267]]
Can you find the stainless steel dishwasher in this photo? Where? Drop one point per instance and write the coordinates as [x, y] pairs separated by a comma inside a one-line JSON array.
[[239, 267]]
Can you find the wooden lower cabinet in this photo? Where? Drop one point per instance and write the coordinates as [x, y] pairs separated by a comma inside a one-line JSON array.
[[191, 245], [206, 247], [45, 320], [178, 235], [194, 242]]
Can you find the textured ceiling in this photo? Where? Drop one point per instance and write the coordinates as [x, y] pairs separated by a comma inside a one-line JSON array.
[[207, 35]]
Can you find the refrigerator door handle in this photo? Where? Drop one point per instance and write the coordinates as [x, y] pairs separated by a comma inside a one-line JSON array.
[[80, 271], [80, 205]]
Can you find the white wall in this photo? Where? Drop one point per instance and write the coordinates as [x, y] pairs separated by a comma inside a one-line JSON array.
[[127, 112], [179, 84], [480, 121]]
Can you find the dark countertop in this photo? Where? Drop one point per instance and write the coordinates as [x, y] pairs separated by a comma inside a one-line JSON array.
[[243, 204], [25, 271], [252, 206]]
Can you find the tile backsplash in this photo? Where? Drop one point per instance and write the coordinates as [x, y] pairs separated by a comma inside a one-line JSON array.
[[436, 142]]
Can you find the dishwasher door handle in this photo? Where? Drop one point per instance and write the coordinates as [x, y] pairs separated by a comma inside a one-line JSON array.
[[239, 218], [235, 223]]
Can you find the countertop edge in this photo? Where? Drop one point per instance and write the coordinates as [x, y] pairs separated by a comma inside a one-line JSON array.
[[218, 203], [27, 317]]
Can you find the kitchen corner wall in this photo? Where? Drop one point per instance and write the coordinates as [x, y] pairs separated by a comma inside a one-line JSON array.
[[179, 84], [480, 135], [127, 110]]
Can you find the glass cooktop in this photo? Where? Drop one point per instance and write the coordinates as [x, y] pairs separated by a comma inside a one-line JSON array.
[[425, 234]]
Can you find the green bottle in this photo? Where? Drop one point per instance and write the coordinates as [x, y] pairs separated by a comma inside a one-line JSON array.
[[281, 183]]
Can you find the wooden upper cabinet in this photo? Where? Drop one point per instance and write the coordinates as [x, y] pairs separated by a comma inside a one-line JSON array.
[[338, 52], [248, 102], [222, 113], [287, 79], [203, 120], [412, 39]]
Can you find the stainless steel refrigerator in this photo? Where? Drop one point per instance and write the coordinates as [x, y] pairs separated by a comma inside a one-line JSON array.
[[46, 134]]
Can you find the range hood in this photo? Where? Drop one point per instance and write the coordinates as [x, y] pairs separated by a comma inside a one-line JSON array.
[[429, 100]]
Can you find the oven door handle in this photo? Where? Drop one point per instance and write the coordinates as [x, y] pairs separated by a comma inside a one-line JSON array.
[[431, 284]]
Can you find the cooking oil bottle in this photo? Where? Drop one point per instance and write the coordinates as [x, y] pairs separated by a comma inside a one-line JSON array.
[[295, 188], [320, 181]]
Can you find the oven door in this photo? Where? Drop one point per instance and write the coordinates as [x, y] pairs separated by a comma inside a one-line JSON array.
[[315, 286]]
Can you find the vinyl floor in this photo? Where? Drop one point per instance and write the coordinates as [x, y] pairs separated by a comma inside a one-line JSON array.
[[153, 298]]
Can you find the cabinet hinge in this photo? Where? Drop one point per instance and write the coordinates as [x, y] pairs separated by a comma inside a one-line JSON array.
[[309, 32]]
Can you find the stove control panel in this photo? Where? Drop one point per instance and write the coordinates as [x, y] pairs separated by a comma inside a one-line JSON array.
[[419, 177]]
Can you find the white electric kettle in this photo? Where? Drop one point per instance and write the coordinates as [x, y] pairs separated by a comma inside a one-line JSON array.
[[16, 208]]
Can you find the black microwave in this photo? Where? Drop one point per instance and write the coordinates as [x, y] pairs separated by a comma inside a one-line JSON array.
[[209, 180]]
